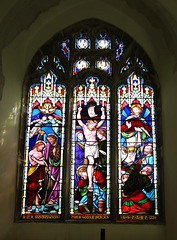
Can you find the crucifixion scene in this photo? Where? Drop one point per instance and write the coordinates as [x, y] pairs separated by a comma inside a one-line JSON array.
[[90, 159]]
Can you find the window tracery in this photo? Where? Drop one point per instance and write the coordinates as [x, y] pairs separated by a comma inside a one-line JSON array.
[[87, 145]]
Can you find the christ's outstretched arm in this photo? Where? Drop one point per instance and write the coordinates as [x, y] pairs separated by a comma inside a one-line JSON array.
[[103, 116]]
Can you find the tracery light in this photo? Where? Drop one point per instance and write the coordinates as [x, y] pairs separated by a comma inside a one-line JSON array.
[[58, 65], [80, 64], [103, 42], [43, 62], [141, 64], [119, 50], [82, 42], [104, 65], [65, 48]]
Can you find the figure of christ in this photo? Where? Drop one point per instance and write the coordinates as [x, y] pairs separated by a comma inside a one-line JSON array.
[[91, 145], [36, 174], [135, 130]]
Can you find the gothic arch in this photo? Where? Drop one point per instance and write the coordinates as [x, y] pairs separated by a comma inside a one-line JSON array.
[[109, 57]]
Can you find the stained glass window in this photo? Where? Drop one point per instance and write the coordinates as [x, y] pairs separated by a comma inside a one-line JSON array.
[[129, 63], [103, 42], [90, 163], [58, 65], [82, 42], [80, 64], [92, 148], [119, 50], [65, 48], [43, 62], [104, 65], [43, 165], [137, 151], [141, 65]]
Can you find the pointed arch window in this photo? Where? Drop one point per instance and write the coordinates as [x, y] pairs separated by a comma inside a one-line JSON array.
[[91, 130]]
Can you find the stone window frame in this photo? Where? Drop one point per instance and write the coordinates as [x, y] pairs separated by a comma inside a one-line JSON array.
[[53, 48]]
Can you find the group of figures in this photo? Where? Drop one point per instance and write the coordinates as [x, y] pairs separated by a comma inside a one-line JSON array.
[[137, 162], [90, 163], [42, 184], [90, 160], [42, 191]]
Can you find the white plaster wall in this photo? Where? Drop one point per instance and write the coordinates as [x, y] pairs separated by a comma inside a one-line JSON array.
[[15, 59]]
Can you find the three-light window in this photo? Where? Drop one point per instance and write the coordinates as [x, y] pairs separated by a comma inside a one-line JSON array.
[[90, 139]]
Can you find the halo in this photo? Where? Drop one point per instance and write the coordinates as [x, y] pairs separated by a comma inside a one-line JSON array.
[[90, 120], [77, 171], [40, 141]]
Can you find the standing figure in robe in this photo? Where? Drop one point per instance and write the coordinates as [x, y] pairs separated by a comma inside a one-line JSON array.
[[52, 153], [36, 174], [135, 130]]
